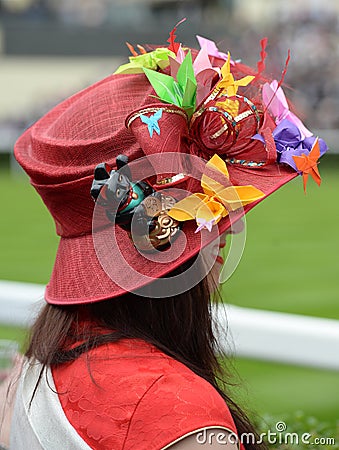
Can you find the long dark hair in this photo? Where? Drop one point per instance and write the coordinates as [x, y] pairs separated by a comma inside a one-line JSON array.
[[180, 326]]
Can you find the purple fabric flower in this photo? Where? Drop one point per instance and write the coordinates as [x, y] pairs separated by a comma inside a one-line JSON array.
[[289, 142]]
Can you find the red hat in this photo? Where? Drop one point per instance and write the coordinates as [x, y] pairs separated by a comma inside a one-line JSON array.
[[124, 115]]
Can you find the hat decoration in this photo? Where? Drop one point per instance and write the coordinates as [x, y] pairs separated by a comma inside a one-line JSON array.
[[126, 201], [219, 197], [291, 137], [181, 143], [220, 110], [307, 164]]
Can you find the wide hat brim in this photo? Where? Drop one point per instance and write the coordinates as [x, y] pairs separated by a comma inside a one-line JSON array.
[[89, 266], [78, 276]]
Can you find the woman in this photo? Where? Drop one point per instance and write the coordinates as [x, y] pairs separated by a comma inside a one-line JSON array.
[[123, 355], [152, 360]]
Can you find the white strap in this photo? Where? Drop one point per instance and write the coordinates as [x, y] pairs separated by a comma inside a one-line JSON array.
[[43, 425]]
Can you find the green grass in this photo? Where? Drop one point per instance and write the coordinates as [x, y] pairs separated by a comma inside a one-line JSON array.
[[280, 390], [27, 238], [290, 264], [13, 333]]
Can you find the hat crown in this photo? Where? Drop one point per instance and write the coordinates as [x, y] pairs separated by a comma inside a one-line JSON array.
[[61, 150]]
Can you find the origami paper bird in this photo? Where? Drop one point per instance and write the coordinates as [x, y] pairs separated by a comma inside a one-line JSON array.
[[204, 72], [276, 103], [152, 122], [289, 142], [151, 60], [203, 223], [307, 164], [211, 48], [228, 83], [229, 105], [217, 199], [180, 91]]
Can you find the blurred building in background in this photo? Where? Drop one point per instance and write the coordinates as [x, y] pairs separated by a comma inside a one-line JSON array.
[[51, 48]]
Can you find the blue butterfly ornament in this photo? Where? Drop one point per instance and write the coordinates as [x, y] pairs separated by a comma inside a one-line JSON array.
[[152, 122]]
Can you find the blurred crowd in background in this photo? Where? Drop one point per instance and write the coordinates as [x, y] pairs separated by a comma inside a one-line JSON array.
[[309, 28]]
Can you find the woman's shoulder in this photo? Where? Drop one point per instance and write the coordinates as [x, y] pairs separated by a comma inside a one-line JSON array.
[[176, 405], [133, 363], [137, 366], [130, 389], [133, 356]]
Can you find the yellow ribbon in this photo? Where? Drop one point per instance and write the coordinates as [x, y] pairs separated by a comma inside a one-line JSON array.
[[216, 201]]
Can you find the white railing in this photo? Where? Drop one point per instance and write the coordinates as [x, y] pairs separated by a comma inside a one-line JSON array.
[[19, 302], [257, 334], [281, 337]]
